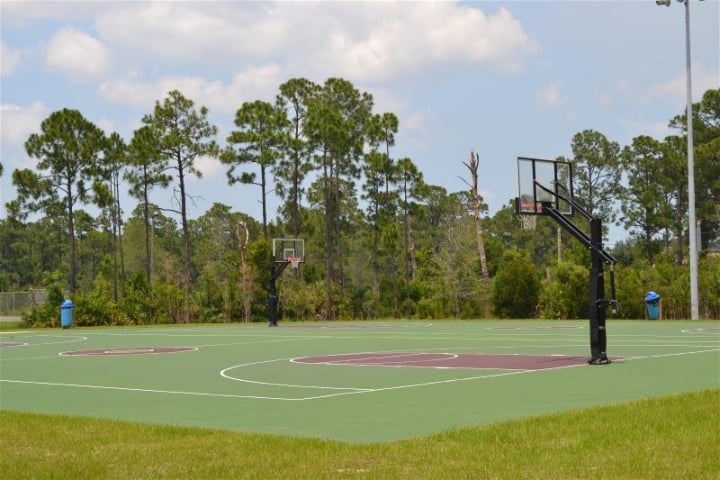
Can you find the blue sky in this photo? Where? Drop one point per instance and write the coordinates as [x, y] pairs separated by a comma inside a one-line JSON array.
[[505, 79]]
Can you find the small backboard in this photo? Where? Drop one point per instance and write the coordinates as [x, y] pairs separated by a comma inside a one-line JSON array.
[[288, 250], [544, 181]]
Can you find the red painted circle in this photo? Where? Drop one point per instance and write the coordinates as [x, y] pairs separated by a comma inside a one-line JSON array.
[[447, 360]]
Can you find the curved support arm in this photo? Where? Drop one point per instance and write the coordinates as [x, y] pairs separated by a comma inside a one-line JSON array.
[[569, 200], [579, 234]]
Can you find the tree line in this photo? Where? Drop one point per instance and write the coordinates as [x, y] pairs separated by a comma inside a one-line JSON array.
[[381, 242]]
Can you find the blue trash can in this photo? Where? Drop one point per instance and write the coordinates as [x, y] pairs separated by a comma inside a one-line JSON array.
[[652, 301], [67, 314]]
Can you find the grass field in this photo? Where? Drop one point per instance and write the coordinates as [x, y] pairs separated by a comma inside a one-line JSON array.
[[256, 381]]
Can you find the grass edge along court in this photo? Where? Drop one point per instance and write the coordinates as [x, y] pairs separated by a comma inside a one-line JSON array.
[[660, 438]]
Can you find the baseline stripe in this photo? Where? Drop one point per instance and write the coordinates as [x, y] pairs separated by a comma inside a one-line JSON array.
[[148, 390]]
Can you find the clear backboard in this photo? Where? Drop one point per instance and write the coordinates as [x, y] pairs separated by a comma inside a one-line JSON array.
[[288, 250], [544, 181]]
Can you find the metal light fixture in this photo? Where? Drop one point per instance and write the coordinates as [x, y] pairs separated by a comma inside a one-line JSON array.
[[692, 227]]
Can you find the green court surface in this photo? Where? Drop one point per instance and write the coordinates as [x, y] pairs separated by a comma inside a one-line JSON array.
[[373, 382]]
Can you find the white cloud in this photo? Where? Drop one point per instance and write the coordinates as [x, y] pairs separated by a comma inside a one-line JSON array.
[[361, 41], [642, 126], [208, 166], [704, 79], [253, 83], [488, 195], [195, 31], [386, 40], [77, 55], [420, 121], [604, 98], [364, 42], [9, 59], [23, 13], [675, 90], [464, 33], [107, 125], [17, 123], [552, 96]]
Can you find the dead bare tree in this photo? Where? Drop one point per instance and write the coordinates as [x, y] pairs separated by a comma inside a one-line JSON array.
[[473, 165], [246, 280]]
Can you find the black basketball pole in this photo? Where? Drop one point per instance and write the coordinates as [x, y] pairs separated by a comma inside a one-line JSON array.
[[598, 302], [275, 270]]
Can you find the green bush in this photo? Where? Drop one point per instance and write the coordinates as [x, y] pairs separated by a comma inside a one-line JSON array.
[[631, 288], [45, 315], [93, 309], [709, 287], [672, 282], [516, 287], [565, 293]]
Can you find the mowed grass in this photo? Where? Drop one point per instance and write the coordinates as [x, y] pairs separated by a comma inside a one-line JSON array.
[[667, 437], [9, 326]]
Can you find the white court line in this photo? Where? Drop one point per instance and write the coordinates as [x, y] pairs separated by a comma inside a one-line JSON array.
[[439, 382], [70, 339], [249, 342], [348, 390], [673, 354], [224, 374], [663, 345], [353, 390], [45, 357], [147, 390], [386, 335], [369, 360], [702, 330], [260, 397], [137, 351]]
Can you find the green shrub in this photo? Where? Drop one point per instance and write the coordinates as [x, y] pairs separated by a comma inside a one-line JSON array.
[[515, 288], [565, 293], [93, 309], [631, 288]]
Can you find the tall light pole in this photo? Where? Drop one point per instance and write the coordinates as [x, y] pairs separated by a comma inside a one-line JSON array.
[[692, 227]]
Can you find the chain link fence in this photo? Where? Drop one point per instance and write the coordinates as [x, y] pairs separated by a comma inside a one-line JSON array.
[[14, 303]]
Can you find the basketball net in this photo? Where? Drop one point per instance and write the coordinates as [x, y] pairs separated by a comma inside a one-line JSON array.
[[294, 262], [529, 222]]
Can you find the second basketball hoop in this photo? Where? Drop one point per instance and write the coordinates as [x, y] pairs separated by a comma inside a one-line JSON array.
[[294, 262]]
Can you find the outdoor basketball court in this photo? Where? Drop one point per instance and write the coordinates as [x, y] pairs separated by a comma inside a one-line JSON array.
[[362, 382]]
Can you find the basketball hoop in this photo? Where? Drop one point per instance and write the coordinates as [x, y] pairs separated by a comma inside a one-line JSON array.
[[528, 214], [294, 262], [529, 222]]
